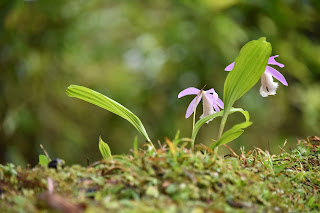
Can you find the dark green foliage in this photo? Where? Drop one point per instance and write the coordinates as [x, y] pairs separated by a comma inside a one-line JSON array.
[[172, 180]]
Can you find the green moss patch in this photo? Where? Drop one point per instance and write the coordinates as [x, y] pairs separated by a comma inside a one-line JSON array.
[[173, 179]]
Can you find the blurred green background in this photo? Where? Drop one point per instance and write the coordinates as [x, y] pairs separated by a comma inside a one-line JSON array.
[[142, 54]]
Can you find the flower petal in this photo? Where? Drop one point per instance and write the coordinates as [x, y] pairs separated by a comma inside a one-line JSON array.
[[216, 108], [272, 61], [193, 105], [213, 97], [210, 91], [268, 87], [207, 102], [277, 75], [229, 67], [188, 91], [220, 103]]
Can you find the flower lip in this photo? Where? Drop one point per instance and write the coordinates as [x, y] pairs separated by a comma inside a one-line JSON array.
[[268, 87]]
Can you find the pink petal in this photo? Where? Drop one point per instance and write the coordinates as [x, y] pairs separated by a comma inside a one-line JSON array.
[[272, 61], [210, 90], [220, 103], [277, 75], [212, 97], [216, 108], [213, 100], [192, 105], [188, 91], [229, 67]]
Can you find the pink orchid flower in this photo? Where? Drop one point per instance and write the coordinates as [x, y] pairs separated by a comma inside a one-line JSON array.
[[268, 87], [210, 101]]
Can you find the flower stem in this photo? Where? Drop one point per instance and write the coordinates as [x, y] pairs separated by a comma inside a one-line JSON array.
[[194, 121], [222, 124], [221, 128], [194, 114]]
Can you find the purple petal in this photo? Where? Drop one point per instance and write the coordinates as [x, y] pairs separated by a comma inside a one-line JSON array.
[[211, 91], [277, 75], [220, 103], [212, 97], [229, 67], [213, 100], [216, 108], [215, 95], [192, 105], [272, 61], [188, 91]]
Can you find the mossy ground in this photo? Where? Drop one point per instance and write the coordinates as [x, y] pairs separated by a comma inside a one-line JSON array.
[[175, 179]]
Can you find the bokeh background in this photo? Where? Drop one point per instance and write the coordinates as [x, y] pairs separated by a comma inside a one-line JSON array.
[[142, 54]]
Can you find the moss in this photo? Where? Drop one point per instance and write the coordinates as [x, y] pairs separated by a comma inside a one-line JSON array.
[[188, 181]]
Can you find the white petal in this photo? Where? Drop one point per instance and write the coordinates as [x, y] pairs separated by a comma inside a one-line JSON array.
[[268, 87], [207, 106], [205, 116]]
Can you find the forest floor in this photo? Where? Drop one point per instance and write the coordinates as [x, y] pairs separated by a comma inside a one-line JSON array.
[[175, 179]]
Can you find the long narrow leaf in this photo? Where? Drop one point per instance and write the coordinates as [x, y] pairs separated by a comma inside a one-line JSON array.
[[104, 102], [202, 121], [231, 134]]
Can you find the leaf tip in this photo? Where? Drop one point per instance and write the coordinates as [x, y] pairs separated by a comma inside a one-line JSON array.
[[263, 39]]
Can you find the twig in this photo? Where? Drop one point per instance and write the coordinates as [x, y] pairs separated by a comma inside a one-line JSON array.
[[45, 152], [282, 148], [231, 150]]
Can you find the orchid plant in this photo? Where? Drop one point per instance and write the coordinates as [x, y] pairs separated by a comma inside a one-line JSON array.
[[250, 66], [268, 87]]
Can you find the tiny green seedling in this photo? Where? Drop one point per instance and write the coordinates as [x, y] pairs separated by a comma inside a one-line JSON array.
[[104, 149], [43, 160]]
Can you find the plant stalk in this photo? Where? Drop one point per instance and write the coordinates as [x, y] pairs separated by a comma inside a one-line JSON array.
[[194, 121], [222, 124], [221, 128]]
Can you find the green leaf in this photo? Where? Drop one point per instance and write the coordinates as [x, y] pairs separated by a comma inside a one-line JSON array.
[[231, 134], [311, 201], [279, 168], [104, 102], [176, 139], [202, 121], [249, 67], [104, 149], [43, 160]]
